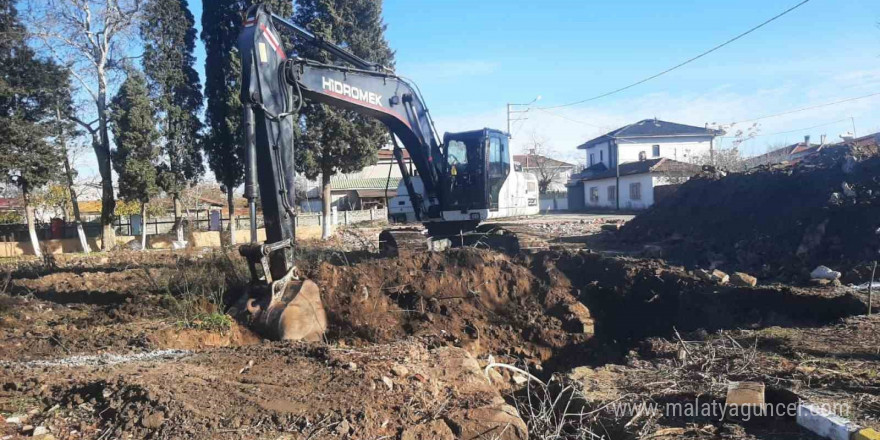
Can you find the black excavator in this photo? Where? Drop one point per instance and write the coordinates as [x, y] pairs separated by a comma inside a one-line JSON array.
[[457, 184]]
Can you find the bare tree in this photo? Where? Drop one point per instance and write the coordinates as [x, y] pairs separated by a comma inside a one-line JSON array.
[[730, 158], [91, 37], [537, 152]]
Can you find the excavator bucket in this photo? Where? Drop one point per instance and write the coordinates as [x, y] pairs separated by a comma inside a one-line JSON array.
[[297, 314]]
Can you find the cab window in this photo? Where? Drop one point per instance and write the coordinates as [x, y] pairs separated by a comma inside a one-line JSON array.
[[456, 153]]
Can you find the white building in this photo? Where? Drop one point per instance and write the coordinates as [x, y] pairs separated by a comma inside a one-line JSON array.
[[550, 172], [651, 139], [651, 154]]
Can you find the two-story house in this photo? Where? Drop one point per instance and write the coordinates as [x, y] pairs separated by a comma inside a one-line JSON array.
[[637, 158]]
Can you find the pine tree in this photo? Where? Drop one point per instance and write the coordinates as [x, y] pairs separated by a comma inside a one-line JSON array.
[[335, 140], [169, 35], [28, 88], [133, 124]]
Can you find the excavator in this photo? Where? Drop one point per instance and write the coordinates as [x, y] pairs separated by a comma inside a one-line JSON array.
[[457, 184]]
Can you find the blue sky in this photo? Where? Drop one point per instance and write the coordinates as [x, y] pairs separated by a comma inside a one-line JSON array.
[[472, 57]]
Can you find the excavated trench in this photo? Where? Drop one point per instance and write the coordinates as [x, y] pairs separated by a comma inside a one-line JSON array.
[[526, 306]]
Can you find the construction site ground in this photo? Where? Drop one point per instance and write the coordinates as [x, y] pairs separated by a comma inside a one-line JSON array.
[[433, 345]]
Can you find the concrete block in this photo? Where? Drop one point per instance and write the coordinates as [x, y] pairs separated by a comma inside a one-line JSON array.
[[866, 434], [823, 423]]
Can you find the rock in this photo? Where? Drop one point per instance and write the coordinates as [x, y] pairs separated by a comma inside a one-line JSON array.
[[500, 421], [577, 318], [40, 430], [351, 366], [743, 280], [388, 383], [27, 429], [716, 276], [824, 273], [437, 429], [652, 251], [17, 419], [153, 420], [519, 379], [848, 190], [399, 370], [343, 428], [720, 277]]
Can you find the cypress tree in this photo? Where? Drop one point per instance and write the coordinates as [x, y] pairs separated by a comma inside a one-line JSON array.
[[28, 92], [133, 124], [221, 24], [169, 35], [336, 140]]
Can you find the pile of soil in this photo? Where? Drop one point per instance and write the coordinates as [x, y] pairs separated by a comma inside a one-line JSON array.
[[774, 221]]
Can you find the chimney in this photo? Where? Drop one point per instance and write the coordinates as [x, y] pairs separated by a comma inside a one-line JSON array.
[[822, 142], [807, 140]]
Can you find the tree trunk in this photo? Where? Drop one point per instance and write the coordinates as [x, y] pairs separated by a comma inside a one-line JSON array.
[[74, 202], [143, 226], [326, 199], [102, 152], [230, 200], [32, 227], [178, 218]]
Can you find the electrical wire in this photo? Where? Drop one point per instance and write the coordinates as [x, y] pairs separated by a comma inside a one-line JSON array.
[[690, 60], [812, 107]]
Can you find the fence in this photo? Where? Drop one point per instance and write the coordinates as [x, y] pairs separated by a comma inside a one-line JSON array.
[[554, 202], [163, 225]]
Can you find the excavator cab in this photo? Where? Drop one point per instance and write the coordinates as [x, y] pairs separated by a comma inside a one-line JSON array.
[[477, 164]]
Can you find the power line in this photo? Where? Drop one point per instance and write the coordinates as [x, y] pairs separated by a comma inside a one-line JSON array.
[[812, 107], [687, 61], [802, 129]]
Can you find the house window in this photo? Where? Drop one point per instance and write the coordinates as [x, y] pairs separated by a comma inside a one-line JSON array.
[[601, 155], [642, 155], [612, 193], [655, 150], [592, 156], [594, 194], [635, 191]]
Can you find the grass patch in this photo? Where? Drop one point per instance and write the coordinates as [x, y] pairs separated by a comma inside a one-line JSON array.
[[213, 322], [197, 291]]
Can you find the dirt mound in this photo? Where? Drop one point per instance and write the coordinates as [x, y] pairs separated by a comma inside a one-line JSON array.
[[482, 301], [775, 221]]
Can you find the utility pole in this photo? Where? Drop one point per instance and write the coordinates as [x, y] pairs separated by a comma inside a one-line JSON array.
[[510, 111], [854, 126]]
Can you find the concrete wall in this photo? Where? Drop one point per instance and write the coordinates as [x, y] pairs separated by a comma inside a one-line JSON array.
[[686, 149], [626, 202], [195, 240]]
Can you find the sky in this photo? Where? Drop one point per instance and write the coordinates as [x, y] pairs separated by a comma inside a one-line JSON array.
[[471, 58]]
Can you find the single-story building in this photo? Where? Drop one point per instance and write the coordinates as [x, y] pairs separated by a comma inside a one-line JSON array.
[[643, 182], [552, 174]]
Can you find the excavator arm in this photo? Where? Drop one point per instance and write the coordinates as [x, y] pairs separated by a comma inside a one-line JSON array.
[[274, 88]]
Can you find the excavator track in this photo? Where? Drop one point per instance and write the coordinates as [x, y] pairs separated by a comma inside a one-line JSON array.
[[507, 238]]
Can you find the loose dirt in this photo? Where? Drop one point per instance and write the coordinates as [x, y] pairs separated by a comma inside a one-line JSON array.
[[142, 350]]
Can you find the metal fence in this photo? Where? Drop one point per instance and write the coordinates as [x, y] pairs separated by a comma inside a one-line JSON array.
[[12, 232]]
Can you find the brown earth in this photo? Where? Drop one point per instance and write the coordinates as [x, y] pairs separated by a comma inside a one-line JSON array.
[[777, 222], [142, 349]]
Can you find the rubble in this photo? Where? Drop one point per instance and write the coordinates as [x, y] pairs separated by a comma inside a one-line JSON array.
[[743, 280], [774, 222], [824, 273]]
